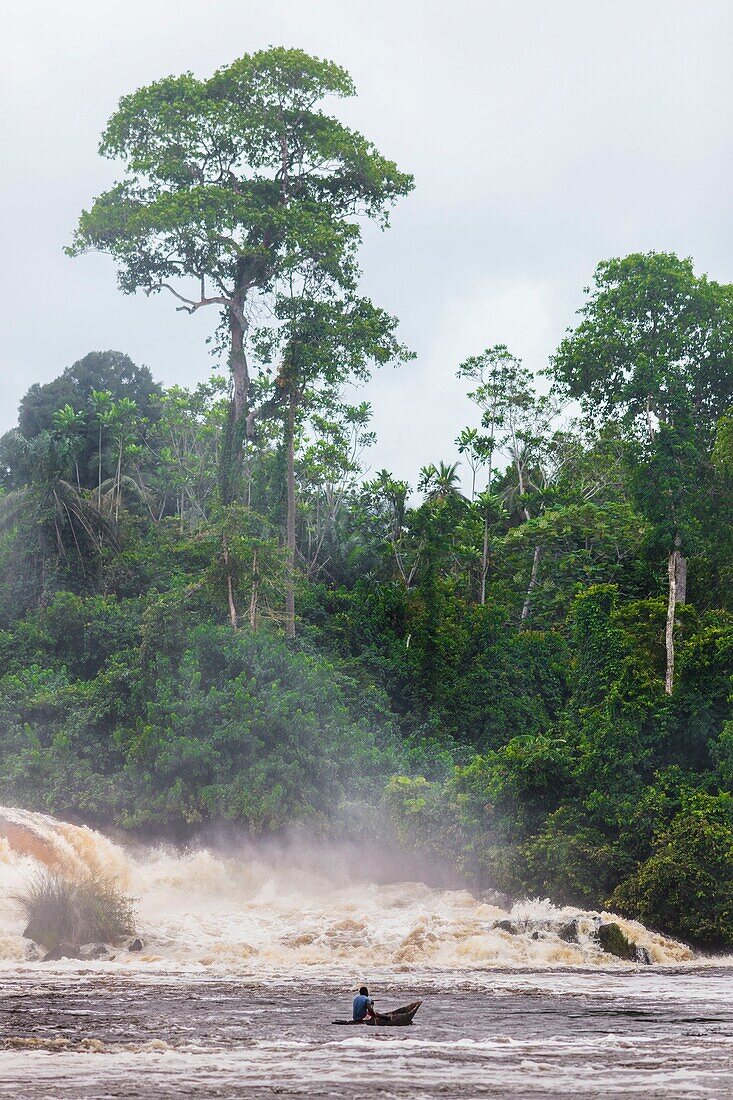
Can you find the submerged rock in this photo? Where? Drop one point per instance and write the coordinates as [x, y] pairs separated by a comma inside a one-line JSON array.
[[68, 950], [611, 939], [93, 951], [63, 951], [506, 926], [136, 945], [643, 956], [569, 932]]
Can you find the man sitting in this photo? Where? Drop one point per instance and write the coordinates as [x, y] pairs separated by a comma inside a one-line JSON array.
[[363, 1005]]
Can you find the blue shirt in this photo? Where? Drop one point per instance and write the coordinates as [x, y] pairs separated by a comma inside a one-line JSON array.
[[361, 1003]]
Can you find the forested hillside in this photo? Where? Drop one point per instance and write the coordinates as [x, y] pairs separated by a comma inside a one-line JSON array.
[[211, 612]]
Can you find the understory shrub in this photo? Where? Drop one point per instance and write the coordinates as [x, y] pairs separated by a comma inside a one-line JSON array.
[[75, 910]]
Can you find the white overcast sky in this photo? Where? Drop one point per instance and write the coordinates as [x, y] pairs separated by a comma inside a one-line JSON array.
[[544, 135]]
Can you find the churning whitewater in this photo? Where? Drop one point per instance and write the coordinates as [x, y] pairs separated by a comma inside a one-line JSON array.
[[248, 956], [244, 910]]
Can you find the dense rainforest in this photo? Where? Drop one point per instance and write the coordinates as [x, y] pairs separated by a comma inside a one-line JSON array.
[[211, 611]]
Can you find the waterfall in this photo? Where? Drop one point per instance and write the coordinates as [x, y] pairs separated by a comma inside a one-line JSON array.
[[269, 908]]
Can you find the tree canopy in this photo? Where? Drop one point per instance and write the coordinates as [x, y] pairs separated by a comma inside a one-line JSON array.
[[522, 664], [235, 187]]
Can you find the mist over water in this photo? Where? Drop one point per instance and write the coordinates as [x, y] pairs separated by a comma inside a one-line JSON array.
[[300, 902], [251, 951]]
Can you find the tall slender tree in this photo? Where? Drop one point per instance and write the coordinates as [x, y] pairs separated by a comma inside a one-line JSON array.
[[518, 423], [323, 342]]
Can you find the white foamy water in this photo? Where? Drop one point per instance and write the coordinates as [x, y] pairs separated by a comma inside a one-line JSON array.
[[252, 912], [249, 956]]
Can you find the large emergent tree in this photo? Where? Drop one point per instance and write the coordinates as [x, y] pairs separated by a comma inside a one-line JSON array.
[[654, 352], [235, 187], [243, 194]]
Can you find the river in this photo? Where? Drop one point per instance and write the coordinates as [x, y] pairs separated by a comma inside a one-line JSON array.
[[249, 956]]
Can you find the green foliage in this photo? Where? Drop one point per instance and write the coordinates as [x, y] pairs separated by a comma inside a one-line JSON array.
[[242, 729], [686, 885], [75, 910], [423, 818], [653, 339], [67, 405], [570, 862], [723, 449], [504, 666], [265, 209]]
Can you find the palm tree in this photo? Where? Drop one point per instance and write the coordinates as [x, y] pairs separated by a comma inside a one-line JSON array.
[[477, 450], [123, 419], [101, 402], [440, 482], [70, 425], [63, 521]]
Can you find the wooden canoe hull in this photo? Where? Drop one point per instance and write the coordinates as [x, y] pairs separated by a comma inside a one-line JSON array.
[[399, 1017]]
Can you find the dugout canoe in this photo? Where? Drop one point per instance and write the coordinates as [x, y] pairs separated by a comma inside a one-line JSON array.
[[399, 1017]]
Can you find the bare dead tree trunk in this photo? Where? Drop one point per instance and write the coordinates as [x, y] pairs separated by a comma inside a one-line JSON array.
[[669, 632], [677, 573], [532, 581], [290, 526], [233, 618], [681, 575]]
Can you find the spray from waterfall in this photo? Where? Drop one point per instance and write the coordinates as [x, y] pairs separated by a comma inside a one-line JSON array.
[[277, 906]]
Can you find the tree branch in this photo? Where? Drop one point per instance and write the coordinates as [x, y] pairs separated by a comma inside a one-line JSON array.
[[190, 306]]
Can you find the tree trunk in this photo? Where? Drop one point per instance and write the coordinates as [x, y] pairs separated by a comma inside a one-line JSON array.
[[99, 479], [532, 581], [677, 573], [230, 584], [118, 479], [254, 597], [484, 561], [290, 527], [536, 555], [649, 424], [238, 359], [681, 576]]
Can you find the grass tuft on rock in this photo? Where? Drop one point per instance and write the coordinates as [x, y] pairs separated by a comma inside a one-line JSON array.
[[75, 910]]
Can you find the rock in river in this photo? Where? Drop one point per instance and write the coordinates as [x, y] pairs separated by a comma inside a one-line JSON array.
[[612, 940], [63, 951], [569, 932]]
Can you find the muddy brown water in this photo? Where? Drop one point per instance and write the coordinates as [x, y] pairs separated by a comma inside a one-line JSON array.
[[249, 954], [97, 1035]]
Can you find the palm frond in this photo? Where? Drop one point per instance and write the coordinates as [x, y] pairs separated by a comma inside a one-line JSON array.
[[13, 507]]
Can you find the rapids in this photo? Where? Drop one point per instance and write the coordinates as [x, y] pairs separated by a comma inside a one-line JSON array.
[[275, 910], [250, 952]]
